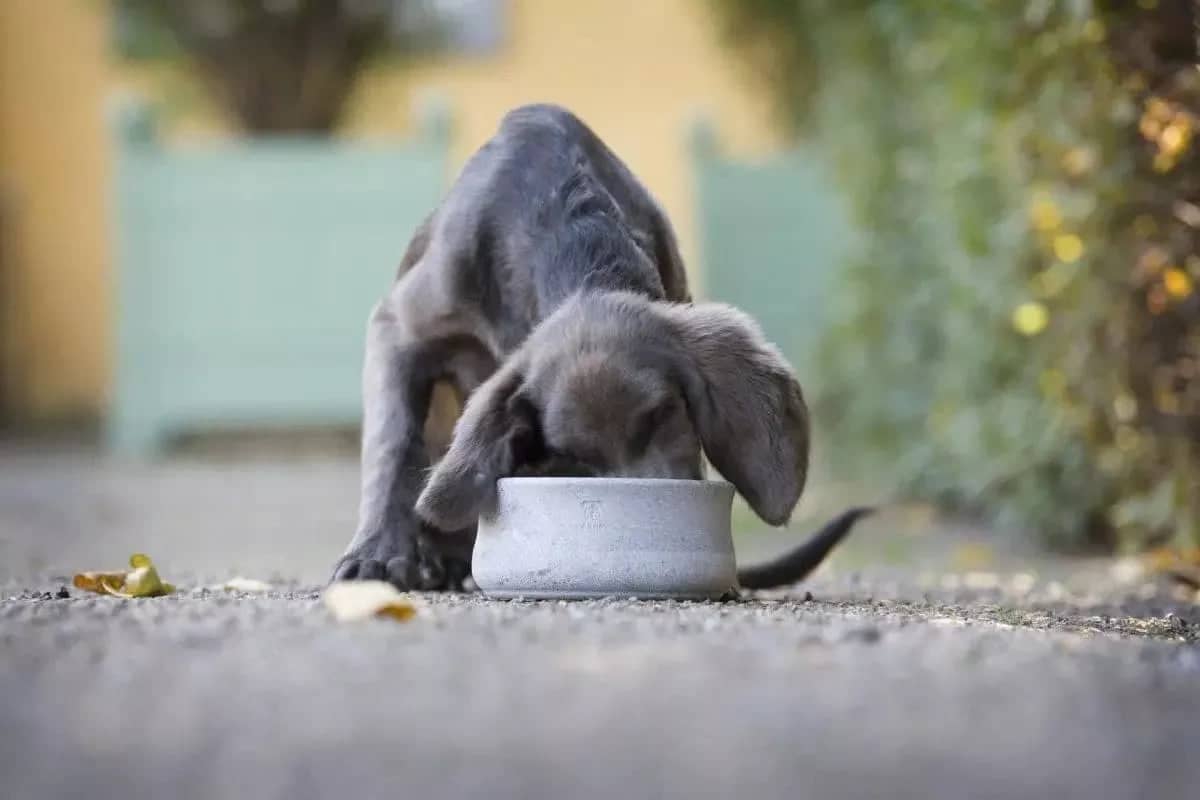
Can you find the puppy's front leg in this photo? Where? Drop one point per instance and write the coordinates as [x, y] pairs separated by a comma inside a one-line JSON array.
[[390, 542]]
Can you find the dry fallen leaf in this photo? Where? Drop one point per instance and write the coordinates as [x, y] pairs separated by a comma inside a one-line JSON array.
[[240, 584], [141, 580], [100, 582], [356, 600]]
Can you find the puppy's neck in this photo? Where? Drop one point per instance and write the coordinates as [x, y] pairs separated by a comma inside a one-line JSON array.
[[593, 248]]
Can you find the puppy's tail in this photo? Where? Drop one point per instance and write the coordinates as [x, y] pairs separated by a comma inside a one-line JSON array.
[[796, 565]]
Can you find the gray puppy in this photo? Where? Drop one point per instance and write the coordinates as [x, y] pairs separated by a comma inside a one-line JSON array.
[[547, 290]]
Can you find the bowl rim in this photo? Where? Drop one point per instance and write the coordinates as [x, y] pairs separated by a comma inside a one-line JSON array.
[[613, 482]]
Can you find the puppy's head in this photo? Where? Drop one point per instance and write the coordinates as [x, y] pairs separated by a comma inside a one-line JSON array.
[[618, 385]]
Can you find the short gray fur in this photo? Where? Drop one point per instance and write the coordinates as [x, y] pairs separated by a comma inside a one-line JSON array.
[[546, 292]]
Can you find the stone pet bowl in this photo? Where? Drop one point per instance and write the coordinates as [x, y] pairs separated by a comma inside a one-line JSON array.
[[604, 537]]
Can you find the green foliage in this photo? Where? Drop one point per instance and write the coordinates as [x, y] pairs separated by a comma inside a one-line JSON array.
[[1017, 334]]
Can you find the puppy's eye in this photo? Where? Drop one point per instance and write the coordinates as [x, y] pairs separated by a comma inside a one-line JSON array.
[[647, 424]]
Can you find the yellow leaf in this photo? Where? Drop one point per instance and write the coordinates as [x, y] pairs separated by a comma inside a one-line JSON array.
[[1164, 162], [1030, 318], [1150, 127], [402, 612], [356, 600], [1177, 282], [140, 581], [1159, 109], [1175, 137], [1068, 247], [1044, 214], [99, 582], [143, 582]]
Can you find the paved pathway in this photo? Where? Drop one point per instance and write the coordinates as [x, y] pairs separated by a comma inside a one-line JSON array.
[[893, 681]]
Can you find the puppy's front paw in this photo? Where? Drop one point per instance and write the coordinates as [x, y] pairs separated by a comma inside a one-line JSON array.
[[411, 562]]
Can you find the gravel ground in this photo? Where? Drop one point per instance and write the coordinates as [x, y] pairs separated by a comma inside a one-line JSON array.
[[900, 679]]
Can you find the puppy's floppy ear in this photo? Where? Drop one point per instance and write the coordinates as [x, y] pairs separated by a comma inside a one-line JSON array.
[[746, 405], [497, 432]]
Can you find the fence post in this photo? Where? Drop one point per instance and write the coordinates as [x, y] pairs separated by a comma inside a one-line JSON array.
[[133, 424]]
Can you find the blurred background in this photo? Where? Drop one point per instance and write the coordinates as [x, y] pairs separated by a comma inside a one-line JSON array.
[[972, 227]]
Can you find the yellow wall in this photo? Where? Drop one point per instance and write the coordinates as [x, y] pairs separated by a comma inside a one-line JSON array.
[[636, 70], [53, 172]]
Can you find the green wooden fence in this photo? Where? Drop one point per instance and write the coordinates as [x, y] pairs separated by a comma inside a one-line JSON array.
[[772, 235], [246, 271]]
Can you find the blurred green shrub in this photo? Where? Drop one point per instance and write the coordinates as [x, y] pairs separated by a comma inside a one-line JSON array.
[[1017, 335]]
